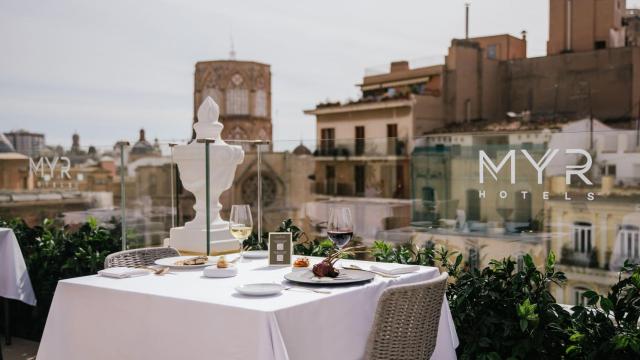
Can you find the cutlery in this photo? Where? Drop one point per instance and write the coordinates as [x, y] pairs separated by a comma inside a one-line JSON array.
[[156, 271], [356, 267], [319, 291]]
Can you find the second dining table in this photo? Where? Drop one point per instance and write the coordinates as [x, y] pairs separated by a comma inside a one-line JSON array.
[[185, 315]]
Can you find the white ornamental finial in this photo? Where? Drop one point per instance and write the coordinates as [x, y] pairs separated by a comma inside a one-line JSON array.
[[208, 126]]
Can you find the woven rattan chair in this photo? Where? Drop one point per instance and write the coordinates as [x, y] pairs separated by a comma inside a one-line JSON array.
[[139, 257], [406, 322]]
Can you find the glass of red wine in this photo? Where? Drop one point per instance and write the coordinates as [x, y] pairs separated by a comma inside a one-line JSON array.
[[340, 226]]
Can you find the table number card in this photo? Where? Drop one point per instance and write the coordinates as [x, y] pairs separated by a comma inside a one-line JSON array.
[[280, 248]]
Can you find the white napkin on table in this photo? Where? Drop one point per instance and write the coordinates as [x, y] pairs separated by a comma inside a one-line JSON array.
[[121, 272], [394, 269]]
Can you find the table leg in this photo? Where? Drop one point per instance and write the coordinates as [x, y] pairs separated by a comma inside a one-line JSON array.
[[7, 330]]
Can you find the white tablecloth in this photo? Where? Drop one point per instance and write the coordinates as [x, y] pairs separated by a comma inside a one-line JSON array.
[[187, 316], [14, 278]]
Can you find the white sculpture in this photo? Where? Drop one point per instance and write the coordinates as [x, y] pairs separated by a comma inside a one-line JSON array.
[[223, 159]]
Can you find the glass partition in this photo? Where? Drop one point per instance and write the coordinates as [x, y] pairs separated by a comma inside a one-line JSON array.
[[485, 195]]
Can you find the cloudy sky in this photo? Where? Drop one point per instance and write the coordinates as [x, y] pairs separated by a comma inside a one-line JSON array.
[[107, 68]]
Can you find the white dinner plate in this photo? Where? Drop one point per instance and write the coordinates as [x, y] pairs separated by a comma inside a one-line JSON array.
[[256, 254], [263, 289], [171, 262]]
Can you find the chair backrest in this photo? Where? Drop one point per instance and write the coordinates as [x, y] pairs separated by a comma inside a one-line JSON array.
[[406, 321], [139, 257]]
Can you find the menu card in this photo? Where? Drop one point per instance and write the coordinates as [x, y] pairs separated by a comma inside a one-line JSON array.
[[280, 248]]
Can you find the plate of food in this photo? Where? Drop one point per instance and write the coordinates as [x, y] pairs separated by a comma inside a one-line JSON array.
[[187, 262], [324, 273]]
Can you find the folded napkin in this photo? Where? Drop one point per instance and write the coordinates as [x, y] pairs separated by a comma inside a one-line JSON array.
[[121, 272], [394, 269]]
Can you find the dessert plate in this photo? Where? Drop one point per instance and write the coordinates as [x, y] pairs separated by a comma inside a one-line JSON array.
[[260, 289]]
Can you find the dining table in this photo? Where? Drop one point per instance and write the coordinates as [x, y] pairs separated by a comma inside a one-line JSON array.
[[182, 314]]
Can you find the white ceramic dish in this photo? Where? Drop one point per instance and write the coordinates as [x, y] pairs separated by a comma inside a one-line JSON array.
[[215, 272], [171, 262], [256, 254], [260, 289]]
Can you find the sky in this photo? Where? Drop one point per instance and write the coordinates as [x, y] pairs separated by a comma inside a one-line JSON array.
[[105, 69]]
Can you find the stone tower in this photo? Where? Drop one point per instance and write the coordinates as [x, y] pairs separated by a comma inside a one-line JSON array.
[[242, 90]]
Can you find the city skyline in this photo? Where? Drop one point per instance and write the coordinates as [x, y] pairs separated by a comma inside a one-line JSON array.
[[79, 67]]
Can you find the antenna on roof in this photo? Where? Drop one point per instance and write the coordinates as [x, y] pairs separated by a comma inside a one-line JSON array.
[[466, 20], [232, 53]]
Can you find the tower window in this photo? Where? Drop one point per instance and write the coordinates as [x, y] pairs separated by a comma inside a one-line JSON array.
[[237, 102]]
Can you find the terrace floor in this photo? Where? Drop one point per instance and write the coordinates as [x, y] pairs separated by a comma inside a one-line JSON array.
[[20, 349]]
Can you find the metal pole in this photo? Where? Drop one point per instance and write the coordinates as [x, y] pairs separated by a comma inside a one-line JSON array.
[[123, 212], [259, 150], [207, 190], [173, 192], [206, 159]]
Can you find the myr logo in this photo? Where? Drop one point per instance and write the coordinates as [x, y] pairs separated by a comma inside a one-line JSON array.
[[65, 165], [493, 169]]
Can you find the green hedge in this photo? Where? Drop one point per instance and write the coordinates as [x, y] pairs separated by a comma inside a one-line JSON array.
[[52, 253]]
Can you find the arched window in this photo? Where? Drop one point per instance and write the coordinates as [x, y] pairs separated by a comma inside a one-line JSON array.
[[237, 102], [260, 104], [629, 241], [581, 235], [215, 94], [578, 299]]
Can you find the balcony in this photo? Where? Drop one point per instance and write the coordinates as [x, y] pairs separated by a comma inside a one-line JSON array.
[[582, 259], [382, 147]]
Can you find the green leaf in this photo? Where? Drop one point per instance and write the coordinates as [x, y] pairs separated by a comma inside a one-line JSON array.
[[523, 324], [606, 304], [528, 261]]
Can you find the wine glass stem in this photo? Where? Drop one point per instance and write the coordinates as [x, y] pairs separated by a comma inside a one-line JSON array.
[[242, 247]]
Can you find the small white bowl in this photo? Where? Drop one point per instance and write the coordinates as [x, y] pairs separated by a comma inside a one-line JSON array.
[[216, 272]]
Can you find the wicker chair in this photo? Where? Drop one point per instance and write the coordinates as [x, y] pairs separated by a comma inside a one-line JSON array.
[[406, 322], [139, 257]]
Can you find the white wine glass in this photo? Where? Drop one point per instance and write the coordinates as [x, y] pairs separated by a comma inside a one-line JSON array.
[[340, 226], [240, 224]]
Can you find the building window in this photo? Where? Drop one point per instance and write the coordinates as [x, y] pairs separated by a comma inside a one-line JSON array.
[[473, 205], [359, 140], [330, 176], [492, 51], [609, 170], [600, 45], [327, 140], [392, 139], [215, 94], [359, 174], [581, 237], [629, 240], [237, 102], [578, 299], [260, 106], [523, 207]]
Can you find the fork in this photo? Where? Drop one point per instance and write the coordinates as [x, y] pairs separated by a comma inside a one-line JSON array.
[[156, 271]]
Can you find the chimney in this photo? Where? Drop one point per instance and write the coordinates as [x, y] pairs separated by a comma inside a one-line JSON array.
[[524, 35], [399, 66]]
